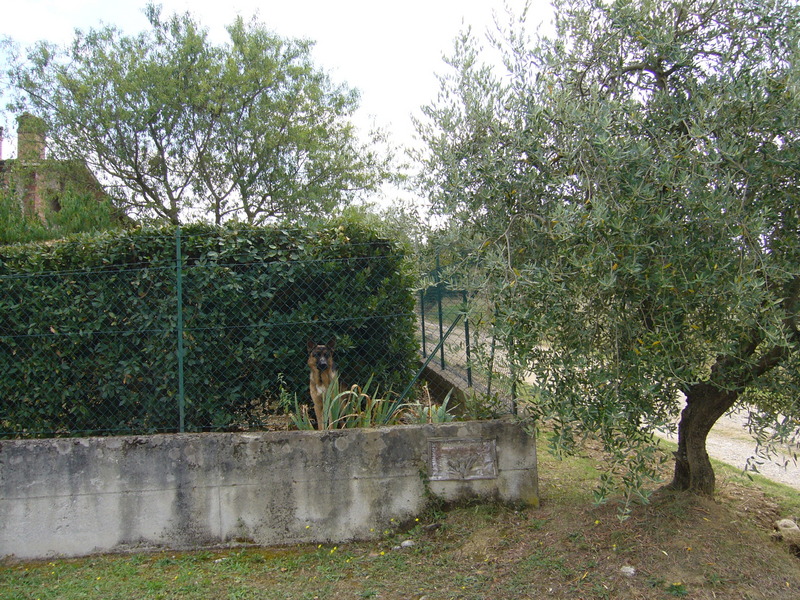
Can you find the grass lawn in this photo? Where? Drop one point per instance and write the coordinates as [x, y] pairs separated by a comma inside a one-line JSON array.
[[676, 546]]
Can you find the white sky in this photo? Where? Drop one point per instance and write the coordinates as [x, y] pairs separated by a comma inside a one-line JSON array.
[[390, 51]]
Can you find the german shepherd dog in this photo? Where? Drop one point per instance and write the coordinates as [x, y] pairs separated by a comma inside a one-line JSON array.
[[323, 372]]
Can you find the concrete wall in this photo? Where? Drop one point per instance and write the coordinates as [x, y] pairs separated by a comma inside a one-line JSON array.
[[73, 497]]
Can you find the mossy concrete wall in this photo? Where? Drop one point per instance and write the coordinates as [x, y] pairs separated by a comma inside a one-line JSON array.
[[73, 497]]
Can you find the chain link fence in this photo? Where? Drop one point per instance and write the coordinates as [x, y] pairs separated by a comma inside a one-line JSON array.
[[199, 336], [459, 339], [445, 331]]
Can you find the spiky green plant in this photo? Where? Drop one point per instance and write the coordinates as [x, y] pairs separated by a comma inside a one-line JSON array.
[[354, 407]]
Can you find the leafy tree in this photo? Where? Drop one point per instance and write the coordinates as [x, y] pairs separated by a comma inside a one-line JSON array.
[[283, 145], [632, 187], [247, 130]]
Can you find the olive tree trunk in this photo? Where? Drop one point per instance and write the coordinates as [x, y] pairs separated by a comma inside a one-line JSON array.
[[705, 404]]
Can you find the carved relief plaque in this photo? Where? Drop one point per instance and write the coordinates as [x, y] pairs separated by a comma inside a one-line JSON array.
[[460, 459]]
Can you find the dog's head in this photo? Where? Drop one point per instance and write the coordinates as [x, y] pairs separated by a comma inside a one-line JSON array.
[[320, 356]]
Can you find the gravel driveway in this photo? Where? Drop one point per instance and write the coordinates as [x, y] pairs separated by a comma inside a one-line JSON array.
[[730, 443]]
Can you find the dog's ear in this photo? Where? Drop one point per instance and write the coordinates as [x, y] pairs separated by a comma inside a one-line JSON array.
[[332, 345], [311, 345]]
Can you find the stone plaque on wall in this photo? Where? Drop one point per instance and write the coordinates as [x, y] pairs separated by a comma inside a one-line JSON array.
[[463, 459]]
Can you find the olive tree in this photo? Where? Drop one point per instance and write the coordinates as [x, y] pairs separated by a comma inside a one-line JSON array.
[[631, 185], [185, 128]]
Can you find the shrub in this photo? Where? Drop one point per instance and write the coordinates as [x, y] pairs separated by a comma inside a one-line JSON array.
[[88, 326]]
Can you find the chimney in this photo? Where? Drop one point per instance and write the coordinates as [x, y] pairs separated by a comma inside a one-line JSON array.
[[30, 138]]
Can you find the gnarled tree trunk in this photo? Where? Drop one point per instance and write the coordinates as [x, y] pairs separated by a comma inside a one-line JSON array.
[[707, 401], [705, 404]]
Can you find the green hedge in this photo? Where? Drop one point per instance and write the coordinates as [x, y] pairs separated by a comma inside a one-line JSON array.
[[88, 327]]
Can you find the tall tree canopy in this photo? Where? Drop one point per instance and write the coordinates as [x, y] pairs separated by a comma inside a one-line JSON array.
[[250, 129], [632, 187]]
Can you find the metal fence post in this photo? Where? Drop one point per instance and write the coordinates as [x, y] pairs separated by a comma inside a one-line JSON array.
[[422, 320], [491, 353], [439, 304], [514, 396], [466, 340], [512, 346], [441, 321], [179, 327]]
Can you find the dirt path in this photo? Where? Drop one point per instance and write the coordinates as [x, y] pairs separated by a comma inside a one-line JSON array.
[[730, 442]]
